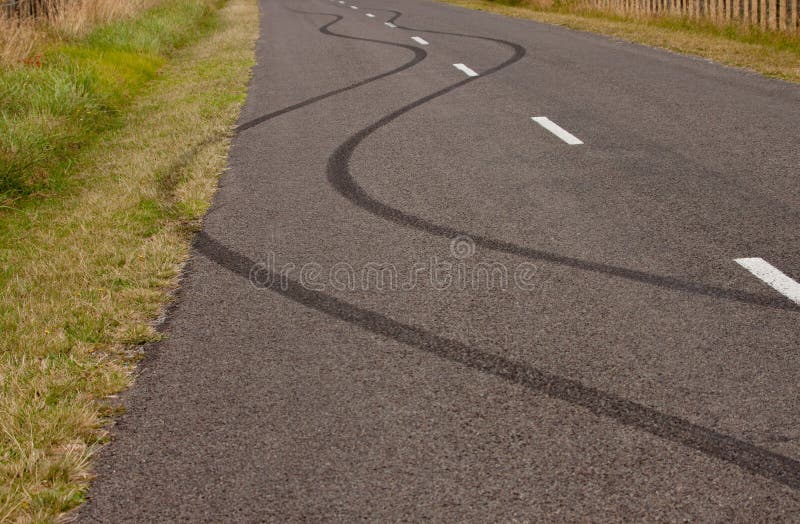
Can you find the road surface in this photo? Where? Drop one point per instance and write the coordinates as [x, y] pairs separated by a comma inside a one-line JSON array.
[[467, 267]]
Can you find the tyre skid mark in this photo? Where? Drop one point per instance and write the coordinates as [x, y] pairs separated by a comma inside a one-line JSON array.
[[740, 453], [419, 56], [749, 457]]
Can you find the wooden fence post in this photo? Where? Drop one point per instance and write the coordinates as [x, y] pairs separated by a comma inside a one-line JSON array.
[[782, 25], [773, 14]]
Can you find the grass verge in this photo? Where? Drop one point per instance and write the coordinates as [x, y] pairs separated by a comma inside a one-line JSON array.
[[22, 34], [84, 272], [52, 107], [771, 54]]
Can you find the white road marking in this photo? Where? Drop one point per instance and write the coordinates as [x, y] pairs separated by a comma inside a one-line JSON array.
[[419, 40], [353, 7], [389, 24], [557, 130], [370, 15], [341, 1], [465, 69], [772, 276]]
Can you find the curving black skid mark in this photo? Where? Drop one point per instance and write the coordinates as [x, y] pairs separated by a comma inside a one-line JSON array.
[[342, 180], [419, 56], [745, 455], [749, 457]]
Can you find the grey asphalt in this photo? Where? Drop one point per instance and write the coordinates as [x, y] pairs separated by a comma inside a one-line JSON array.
[[631, 371]]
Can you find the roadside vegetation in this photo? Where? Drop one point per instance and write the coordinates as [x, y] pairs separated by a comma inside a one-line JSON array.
[[112, 136], [25, 25], [56, 98], [774, 54]]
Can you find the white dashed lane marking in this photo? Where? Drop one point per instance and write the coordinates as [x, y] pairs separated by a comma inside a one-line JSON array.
[[772, 276], [557, 130], [466, 70]]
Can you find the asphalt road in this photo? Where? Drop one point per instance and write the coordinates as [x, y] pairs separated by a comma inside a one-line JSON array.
[[412, 301]]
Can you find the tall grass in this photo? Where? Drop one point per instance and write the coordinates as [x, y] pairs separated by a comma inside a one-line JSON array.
[[18, 39], [55, 103], [21, 36]]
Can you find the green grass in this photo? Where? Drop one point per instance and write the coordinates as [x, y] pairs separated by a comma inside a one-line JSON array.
[[139, 117], [48, 114]]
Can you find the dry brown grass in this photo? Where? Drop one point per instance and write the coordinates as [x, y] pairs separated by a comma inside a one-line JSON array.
[[771, 54], [20, 37], [74, 18], [17, 40]]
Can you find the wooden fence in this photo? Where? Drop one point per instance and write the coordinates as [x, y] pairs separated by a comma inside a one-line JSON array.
[[772, 15]]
